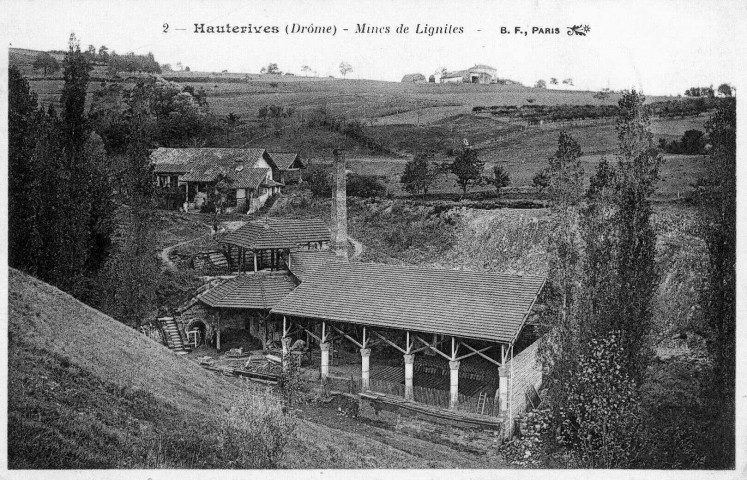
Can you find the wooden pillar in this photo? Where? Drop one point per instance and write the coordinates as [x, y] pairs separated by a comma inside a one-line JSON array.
[[409, 360], [365, 372], [454, 384], [255, 261], [325, 360], [217, 333], [502, 391]]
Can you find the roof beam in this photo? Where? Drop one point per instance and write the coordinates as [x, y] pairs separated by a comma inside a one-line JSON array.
[[432, 347], [474, 352], [347, 336], [389, 342], [479, 352]]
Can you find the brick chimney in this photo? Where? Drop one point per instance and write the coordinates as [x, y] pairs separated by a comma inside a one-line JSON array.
[[339, 207]]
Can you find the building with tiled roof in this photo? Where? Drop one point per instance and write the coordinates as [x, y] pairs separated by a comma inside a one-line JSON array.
[[251, 172], [477, 305], [290, 166]]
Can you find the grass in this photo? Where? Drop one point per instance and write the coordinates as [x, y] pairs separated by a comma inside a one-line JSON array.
[[88, 392]]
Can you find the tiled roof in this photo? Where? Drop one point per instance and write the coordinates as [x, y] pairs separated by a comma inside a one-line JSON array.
[[301, 231], [248, 177], [284, 160], [304, 262], [260, 291], [488, 306], [257, 236], [205, 164]]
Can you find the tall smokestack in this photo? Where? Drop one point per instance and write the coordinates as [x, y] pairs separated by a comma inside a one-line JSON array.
[[339, 205]]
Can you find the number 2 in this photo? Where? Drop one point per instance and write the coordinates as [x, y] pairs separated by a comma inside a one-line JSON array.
[[165, 28]]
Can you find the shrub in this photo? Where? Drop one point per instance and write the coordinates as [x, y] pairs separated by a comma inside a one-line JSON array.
[[255, 431], [318, 179], [541, 179], [600, 419], [365, 186]]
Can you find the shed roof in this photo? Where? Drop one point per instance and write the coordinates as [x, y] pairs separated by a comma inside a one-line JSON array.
[[301, 231], [260, 291], [304, 262], [285, 160], [258, 236], [486, 306]]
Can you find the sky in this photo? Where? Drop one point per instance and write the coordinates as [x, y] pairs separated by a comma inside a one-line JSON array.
[[661, 47]]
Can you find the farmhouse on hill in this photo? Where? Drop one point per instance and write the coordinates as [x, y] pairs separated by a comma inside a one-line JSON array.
[[252, 173], [477, 74], [414, 78]]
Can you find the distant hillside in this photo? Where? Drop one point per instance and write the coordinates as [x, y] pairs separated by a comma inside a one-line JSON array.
[[85, 391]]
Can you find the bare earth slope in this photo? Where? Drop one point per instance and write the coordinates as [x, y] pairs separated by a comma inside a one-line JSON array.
[[86, 391]]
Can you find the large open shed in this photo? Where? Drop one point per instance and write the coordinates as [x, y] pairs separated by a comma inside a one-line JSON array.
[[454, 314]]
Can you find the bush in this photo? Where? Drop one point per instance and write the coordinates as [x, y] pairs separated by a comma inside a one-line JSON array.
[[600, 419], [541, 179], [256, 432], [318, 179], [365, 186]]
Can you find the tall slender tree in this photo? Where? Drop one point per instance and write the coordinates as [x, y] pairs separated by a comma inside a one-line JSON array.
[[23, 120]]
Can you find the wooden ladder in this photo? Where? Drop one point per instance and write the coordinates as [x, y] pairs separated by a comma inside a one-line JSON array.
[[482, 400]]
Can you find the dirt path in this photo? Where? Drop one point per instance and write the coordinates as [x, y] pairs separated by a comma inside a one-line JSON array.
[[166, 252], [358, 247]]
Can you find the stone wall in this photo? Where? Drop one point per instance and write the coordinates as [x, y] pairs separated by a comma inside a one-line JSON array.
[[526, 371]]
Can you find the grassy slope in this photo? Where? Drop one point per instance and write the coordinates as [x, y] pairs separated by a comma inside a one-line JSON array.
[[88, 392]]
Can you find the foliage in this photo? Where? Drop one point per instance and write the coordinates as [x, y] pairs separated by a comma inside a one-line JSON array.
[[176, 116], [499, 179], [527, 449], [126, 288], [46, 62], [638, 172], [541, 179], [693, 142], [540, 84], [364, 186], [601, 418], [256, 431], [132, 63], [345, 68], [66, 219], [561, 343], [420, 173], [318, 179], [725, 90], [289, 384], [23, 118], [467, 167], [700, 92]]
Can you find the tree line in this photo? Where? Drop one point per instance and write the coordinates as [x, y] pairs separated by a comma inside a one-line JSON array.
[[81, 190], [602, 281]]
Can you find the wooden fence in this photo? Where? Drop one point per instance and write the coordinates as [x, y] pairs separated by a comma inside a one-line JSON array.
[[429, 396]]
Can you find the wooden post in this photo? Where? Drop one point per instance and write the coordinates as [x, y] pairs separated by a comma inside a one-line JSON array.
[[409, 360], [255, 261], [365, 375], [454, 385], [217, 343]]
